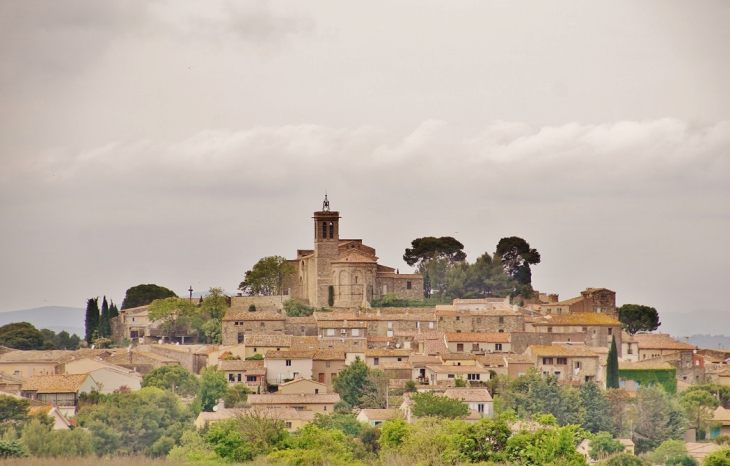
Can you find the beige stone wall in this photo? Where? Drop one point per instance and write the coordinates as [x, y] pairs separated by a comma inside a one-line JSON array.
[[396, 283], [322, 373], [193, 362], [233, 334], [493, 324], [482, 346], [461, 323], [262, 303], [521, 340], [353, 283]]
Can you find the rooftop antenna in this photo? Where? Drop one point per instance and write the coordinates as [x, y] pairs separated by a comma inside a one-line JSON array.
[[326, 203]]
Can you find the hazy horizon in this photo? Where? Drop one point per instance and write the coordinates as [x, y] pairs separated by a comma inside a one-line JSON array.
[[177, 143]]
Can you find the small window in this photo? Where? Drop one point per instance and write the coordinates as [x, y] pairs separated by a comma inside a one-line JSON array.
[[408, 285], [550, 330], [501, 319], [288, 362], [332, 230], [475, 346], [239, 377], [390, 324], [594, 332], [240, 337], [498, 346], [330, 331], [327, 364], [231, 378], [479, 320], [441, 318], [585, 329], [610, 331], [458, 318], [324, 230], [278, 349], [389, 333], [472, 376], [562, 361], [451, 376], [430, 325], [324, 409], [547, 361], [577, 364], [262, 324], [460, 347], [316, 391], [401, 359], [250, 378], [501, 330], [301, 329], [376, 361], [288, 425], [255, 350], [355, 332]]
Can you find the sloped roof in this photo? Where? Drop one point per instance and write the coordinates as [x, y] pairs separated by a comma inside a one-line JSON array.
[[644, 365], [304, 343], [380, 414], [56, 383], [240, 365], [285, 414], [439, 369], [491, 360], [297, 381], [329, 355], [562, 350], [267, 340], [457, 356], [290, 354], [661, 341], [468, 394], [518, 359], [232, 315], [579, 318], [478, 337], [386, 352], [395, 365], [299, 398]]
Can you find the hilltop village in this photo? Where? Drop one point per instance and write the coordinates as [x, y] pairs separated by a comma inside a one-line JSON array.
[[459, 350]]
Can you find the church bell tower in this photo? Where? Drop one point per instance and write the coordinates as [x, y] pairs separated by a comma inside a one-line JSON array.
[[326, 249]]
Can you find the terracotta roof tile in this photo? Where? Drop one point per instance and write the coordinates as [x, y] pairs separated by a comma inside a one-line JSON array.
[[561, 350], [386, 352], [232, 315], [240, 365], [267, 340], [304, 343], [450, 369], [302, 398], [468, 394], [381, 414], [578, 318], [290, 354], [329, 355], [55, 383], [644, 365], [661, 341], [478, 337]]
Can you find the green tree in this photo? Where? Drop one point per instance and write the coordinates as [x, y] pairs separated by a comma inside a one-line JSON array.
[[105, 328], [22, 336], [546, 445], [313, 445], [352, 382], [145, 421], [213, 386], [658, 418], [612, 365], [604, 445], [175, 378], [393, 434], [344, 422], [12, 449], [142, 295], [429, 404], [215, 303], [486, 277], [13, 409], [295, 308], [236, 395], [638, 318], [66, 341], [375, 394], [269, 276], [428, 248], [484, 440], [92, 319], [43, 441], [718, 458], [176, 315], [531, 395], [626, 459], [619, 411], [517, 256], [699, 407], [597, 408], [212, 331], [667, 451]]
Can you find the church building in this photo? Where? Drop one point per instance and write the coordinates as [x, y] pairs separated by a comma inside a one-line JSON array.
[[342, 272]]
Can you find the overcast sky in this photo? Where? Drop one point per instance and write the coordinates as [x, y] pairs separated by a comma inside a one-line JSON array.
[[177, 142]]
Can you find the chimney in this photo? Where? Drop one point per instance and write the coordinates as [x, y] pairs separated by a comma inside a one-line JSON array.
[[553, 298]]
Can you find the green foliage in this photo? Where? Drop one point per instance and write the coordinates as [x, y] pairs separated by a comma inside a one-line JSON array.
[[269, 276], [313, 445], [22, 336], [482, 441], [215, 304], [658, 418], [667, 451], [410, 386], [236, 395], [92, 318], [638, 318], [13, 409], [136, 422], [176, 315], [429, 248], [516, 257], [685, 460], [597, 409], [255, 357], [175, 378], [604, 445], [547, 445], [213, 386], [531, 394], [250, 434], [667, 378], [626, 459], [699, 407], [105, 329], [193, 448], [41, 440], [721, 392], [252, 308], [393, 434], [718, 458], [459, 383], [375, 391], [212, 330], [612, 365], [142, 295], [345, 423], [352, 382], [295, 308], [61, 341], [429, 404], [12, 449]]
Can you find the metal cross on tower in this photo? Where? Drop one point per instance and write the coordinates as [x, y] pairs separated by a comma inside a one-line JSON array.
[[326, 204]]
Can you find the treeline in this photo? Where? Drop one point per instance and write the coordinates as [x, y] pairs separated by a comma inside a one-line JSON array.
[[24, 336]]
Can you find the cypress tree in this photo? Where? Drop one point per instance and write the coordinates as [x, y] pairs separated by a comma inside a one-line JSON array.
[[113, 311], [612, 365], [104, 325], [92, 318]]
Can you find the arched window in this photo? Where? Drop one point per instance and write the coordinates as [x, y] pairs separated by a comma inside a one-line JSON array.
[[332, 230], [324, 230]]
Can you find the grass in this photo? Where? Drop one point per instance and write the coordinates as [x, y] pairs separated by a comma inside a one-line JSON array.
[[87, 461]]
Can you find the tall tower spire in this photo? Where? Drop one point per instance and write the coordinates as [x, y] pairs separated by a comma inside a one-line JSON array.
[[325, 204]]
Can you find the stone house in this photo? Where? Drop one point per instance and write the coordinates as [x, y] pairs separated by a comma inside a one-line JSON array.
[[237, 324], [320, 403], [375, 357], [494, 362], [402, 370], [418, 364], [721, 418], [300, 326], [571, 363], [478, 342], [250, 373], [341, 325], [458, 359], [661, 347], [595, 300], [598, 328], [261, 344], [629, 347], [477, 399], [518, 364], [282, 366], [192, 357], [143, 362], [302, 386], [376, 417], [494, 320], [107, 376], [443, 375], [345, 268], [633, 375], [59, 390], [385, 325], [326, 364]]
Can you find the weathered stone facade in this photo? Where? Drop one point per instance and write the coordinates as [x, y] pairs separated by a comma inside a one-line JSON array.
[[480, 321], [237, 324], [346, 268], [300, 326], [521, 340], [598, 300]]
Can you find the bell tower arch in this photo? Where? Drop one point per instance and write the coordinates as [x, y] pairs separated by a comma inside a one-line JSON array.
[[326, 249]]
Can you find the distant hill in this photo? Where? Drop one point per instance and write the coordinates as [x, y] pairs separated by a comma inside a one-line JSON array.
[[56, 318], [699, 322], [709, 341]]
